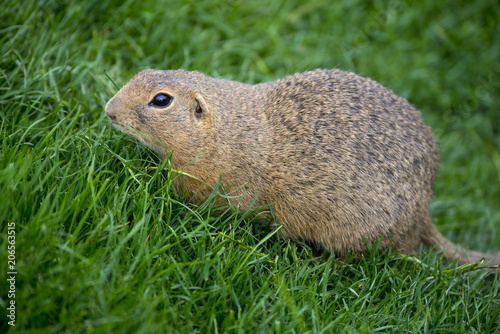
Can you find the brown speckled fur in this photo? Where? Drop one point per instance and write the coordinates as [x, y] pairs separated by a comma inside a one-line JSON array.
[[342, 159]]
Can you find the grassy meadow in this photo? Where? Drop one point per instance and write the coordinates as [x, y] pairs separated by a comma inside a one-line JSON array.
[[103, 243]]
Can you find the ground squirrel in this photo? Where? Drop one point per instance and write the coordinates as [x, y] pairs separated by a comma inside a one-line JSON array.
[[342, 160]]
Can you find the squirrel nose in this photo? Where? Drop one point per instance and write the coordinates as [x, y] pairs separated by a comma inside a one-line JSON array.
[[109, 111], [110, 115]]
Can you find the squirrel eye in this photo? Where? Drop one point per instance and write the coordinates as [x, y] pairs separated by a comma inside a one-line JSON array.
[[161, 100]]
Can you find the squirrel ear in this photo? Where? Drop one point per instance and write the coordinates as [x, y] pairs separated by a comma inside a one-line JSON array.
[[201, 110]]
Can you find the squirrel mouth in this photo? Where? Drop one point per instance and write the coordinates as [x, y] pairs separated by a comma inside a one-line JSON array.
[[125, 128], [132, 131], [154, 145]]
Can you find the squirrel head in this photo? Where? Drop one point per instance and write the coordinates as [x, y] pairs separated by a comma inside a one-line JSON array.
[[166, 111]]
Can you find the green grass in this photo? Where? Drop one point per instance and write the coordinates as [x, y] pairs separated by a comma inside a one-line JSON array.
[[105, 244]]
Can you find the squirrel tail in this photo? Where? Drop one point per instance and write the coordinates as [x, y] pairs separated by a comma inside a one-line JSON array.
[[433, 238]]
